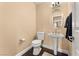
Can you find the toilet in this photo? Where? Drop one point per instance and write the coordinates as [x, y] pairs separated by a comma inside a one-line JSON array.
[[36, 44]]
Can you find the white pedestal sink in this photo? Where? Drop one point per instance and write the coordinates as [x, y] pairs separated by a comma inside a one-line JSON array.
[[55, 37]]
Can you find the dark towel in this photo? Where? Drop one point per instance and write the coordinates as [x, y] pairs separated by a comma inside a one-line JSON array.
[[68, 25]]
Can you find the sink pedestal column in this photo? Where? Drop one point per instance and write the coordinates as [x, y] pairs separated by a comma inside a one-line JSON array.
[[55, 46]]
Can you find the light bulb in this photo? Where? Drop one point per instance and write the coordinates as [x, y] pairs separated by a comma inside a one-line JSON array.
[[53, 2]]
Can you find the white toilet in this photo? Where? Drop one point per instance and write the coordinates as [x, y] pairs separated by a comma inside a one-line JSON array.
[[36, 44]]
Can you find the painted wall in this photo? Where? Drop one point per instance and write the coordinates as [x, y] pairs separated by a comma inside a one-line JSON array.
[[44, 17], [17, 21]]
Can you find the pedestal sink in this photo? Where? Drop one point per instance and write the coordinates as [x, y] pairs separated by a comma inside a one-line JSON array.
[[55, 37]]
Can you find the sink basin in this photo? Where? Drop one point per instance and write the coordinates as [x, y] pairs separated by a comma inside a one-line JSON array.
[[55, 35]]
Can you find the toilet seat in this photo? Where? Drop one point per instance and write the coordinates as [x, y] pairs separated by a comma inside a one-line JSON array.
[[36, 41]]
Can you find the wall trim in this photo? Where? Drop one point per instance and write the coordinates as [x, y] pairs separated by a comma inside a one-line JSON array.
[[24, 51], [59, 49], [46, 46]]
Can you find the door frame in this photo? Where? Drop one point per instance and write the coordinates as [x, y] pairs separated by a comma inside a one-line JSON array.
[[75, 29], [73, 26]]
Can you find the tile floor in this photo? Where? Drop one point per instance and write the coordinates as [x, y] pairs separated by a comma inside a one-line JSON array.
[[43, 52]]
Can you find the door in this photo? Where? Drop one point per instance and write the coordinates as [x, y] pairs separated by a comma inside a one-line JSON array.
[[75, 28]]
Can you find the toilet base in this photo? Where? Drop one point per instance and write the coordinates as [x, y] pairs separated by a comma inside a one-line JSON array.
[[36, 50]]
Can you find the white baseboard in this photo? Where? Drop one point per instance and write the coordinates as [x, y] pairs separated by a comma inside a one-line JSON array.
[[59, 49], [46, 46], [23, 51]]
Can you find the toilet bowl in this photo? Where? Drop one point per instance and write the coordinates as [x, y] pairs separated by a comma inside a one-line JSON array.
[[36, 44]]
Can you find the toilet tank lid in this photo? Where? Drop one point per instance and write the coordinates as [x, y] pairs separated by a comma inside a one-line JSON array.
[[40, 32]]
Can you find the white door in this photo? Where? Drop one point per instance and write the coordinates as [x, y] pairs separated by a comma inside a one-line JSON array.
[[75, 28]]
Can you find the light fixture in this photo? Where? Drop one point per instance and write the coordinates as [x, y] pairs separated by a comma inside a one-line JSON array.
[[55, 4]]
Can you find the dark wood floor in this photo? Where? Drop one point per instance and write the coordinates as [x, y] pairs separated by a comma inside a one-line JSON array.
[[30, 52]]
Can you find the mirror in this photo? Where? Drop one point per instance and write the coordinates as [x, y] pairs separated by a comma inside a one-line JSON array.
[[57, 21], [57, 15]]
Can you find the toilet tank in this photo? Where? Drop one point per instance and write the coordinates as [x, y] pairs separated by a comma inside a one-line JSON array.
[[40, 35]]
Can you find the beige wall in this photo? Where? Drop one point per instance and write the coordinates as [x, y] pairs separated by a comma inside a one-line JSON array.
[[17, 20], [44, 16]]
